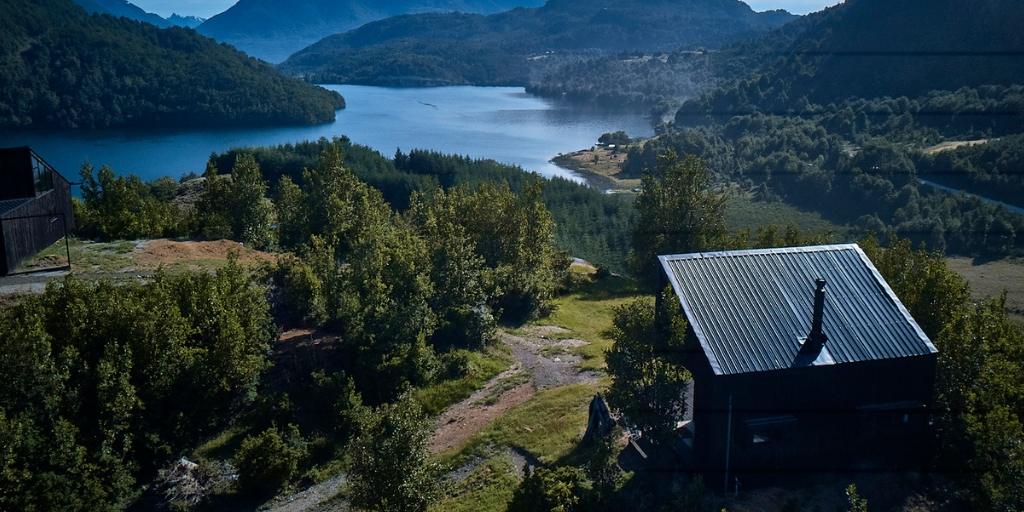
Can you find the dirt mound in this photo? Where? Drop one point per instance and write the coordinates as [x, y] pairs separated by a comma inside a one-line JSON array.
[[156, 252]]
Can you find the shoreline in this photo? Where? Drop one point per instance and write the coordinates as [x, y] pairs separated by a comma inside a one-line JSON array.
[[600, 169]]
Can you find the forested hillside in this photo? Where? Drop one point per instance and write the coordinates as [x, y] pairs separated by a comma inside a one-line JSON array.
[[662, 80], [838, 115], [274, 29], [505, 48], [62, 68], [872, 49]]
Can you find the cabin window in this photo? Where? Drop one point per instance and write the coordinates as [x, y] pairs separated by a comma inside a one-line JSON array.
[[42, 177], [769, 430]]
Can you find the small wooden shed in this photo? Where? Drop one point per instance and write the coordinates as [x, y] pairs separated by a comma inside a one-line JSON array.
[[804, 360], [35, 206]]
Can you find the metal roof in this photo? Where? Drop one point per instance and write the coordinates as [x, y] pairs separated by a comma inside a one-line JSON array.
[[8, 205], [751, 310]]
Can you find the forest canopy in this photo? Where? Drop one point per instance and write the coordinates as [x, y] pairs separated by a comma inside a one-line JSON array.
[[62, 68]]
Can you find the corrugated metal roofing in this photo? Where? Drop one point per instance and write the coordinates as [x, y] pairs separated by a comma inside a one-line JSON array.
[[752, 309], [12, 204]]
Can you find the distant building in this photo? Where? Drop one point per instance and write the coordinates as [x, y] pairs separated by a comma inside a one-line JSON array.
[[803, 360], [35, 206]]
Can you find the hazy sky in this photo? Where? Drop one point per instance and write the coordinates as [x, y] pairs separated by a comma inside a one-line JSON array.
[[208, 8]]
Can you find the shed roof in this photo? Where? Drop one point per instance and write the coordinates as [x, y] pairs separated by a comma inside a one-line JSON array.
[[8, 205], [751, 310]]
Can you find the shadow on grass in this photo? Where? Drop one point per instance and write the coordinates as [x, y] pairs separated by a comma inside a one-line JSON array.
[[610, 287]]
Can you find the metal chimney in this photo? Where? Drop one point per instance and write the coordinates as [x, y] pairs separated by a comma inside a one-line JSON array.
[[811, 347], [817, 336]]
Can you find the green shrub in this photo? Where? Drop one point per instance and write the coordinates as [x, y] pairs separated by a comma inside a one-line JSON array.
[[266, 462]]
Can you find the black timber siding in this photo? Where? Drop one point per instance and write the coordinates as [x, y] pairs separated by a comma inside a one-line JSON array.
[[870, 415], [34, 226], [16, 176]]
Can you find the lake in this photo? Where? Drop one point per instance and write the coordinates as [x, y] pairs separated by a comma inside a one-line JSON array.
[[501, 123]]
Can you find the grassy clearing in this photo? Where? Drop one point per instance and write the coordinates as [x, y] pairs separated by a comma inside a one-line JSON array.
[[86, 256], [742, 212], [483, 366], [222, 447], [548, 426], [488, 488], [988, 280], [587, 313]]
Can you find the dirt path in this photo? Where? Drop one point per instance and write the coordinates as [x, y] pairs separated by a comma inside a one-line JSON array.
[[541, 361]]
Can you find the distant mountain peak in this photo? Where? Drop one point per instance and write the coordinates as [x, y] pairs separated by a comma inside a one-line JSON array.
[[122, 8], [185, 21], [274, 29]]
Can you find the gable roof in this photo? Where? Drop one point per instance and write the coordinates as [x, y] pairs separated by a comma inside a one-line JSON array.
[[751, 310]]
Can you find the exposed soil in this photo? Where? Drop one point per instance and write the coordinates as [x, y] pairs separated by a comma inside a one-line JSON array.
[[952, 144], [152, 253], [147, 256], [541, 361], [604, 173]]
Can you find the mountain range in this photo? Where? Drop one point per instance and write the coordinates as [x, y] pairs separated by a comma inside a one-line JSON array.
[[505, 48], [134, 12], [273, 29]]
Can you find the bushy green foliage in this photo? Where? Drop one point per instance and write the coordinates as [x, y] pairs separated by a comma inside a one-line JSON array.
[[235, 207], [457, 271], [266, 462], [103, 383], [647, 377], [694, 496], [119, 207], [558, 489], [388, 464], [678, 213], [514, 234], [857, 504], [588, 224], [395, 287], [62, 68], [979, 385]]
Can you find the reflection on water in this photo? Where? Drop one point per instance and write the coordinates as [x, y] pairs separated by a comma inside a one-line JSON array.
[[502, 123]]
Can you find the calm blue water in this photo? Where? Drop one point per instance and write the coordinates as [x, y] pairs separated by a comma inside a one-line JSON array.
[[502, 123]]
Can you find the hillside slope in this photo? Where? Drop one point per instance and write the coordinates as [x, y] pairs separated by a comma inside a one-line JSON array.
[[123, 8], [877, 48], [62, 68], [274, 29], [503, 48]]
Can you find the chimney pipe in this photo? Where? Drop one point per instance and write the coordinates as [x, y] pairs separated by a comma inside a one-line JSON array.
[[817, 336], [813, 345]]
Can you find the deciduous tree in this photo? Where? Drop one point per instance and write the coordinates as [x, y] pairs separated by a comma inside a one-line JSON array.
[[678, 213]]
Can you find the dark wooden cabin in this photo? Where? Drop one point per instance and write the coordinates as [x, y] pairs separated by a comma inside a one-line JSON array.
[[803, 360], [35, 206]]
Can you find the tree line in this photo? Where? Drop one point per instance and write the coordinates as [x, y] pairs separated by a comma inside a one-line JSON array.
[[588, 224]]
